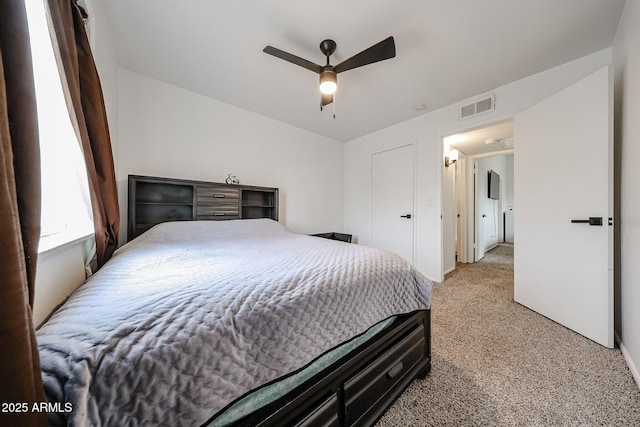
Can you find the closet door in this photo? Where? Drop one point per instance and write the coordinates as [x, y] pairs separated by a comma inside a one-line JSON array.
[[392, 201]]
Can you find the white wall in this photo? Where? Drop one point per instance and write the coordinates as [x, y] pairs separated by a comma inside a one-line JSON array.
[[626, 50], [171, 132], [428, 131], [60, 271]]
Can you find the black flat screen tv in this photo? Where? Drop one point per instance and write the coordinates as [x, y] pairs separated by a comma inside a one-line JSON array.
[[494, 185]]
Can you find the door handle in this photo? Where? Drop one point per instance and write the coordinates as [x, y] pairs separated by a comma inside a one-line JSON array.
[[408, 216], [593, 220]]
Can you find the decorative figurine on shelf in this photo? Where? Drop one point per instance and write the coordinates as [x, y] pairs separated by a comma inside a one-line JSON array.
[[232, 179]]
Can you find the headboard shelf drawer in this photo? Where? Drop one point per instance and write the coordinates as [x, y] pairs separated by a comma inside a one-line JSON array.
[[218, 210], [213, 193], [153, 200]]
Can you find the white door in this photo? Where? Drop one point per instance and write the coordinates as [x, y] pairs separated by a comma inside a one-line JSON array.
[[461, 211], [449, 218], [392, 215], [480, 218], [563, 172]]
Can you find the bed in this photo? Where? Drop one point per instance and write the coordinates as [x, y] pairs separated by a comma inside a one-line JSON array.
[[239, 322]]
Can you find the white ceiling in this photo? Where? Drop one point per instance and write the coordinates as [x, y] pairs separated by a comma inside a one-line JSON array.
[[447, 51]]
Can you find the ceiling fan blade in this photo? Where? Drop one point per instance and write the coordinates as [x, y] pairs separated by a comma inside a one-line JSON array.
[[386, 49], [293, 59], [325, 100]]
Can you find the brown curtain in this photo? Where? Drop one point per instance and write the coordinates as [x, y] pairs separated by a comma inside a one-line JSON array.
[[20, 378], [88, 115]]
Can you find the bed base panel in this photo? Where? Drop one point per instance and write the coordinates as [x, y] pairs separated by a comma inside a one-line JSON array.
[[360, 387]]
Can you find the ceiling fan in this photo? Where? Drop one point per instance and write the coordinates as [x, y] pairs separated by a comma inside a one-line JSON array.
[[386, 49]]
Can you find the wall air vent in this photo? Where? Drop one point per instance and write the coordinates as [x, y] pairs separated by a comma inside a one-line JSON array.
[[478, 107]]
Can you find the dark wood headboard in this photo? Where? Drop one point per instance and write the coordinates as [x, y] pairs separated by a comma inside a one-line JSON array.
[[153, 200]]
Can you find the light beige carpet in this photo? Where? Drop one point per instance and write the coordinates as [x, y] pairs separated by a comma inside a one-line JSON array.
[[497, 363]]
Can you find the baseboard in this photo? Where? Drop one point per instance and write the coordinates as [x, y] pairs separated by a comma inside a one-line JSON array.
[[491, 247], [632, 367]]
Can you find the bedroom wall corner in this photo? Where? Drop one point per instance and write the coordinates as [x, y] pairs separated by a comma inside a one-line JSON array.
[[101, 40], [626, 136]]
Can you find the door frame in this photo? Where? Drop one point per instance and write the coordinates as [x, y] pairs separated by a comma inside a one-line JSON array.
[[473, 201], [469, 205]]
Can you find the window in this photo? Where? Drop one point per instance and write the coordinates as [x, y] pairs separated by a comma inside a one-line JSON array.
[[66, 205]]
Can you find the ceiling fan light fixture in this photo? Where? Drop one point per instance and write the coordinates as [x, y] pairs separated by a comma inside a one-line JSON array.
[[328, 82], [386, 49]]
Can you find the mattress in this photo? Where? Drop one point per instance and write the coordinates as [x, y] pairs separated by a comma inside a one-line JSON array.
[[190, 316]]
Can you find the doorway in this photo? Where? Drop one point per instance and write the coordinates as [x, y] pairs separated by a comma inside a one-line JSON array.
[[474, 219], [563, 263]]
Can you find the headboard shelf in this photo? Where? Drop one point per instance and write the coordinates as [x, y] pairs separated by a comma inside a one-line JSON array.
[[153, 200]]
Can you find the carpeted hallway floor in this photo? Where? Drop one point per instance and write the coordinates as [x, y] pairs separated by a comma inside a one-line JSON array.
[[497, 363]]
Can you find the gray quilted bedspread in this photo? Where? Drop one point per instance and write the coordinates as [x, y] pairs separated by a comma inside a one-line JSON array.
[[191, 315]]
